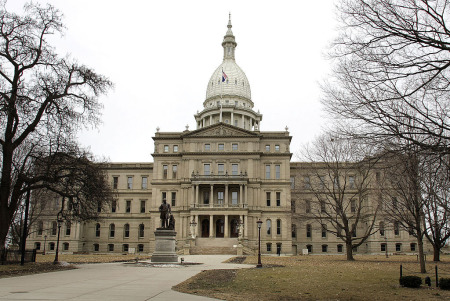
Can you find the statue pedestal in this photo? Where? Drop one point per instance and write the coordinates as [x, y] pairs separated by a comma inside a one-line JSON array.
[[165, 246]]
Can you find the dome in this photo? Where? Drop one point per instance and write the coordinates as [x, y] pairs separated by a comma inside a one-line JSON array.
[[236, 83]]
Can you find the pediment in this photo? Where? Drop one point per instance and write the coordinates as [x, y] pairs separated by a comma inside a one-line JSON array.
[[220, 130]]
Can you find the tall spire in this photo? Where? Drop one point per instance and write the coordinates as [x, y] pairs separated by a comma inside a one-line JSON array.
[[229, 43]]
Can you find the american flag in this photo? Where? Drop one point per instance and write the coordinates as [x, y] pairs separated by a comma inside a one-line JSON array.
[[224, 76]]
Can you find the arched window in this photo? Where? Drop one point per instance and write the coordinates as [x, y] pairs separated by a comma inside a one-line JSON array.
[[97, 230], [112, 230], [126, 230], [141, 230], [269, 226]]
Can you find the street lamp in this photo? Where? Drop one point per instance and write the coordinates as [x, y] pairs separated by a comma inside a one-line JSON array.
[[259, 223], [193, 225], [60, 220]]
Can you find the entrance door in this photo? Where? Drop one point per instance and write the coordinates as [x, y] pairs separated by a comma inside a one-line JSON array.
[[205, 228], [220, 228]]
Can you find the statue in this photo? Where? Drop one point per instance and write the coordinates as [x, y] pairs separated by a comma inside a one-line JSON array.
[[171, 222], [165, 214]]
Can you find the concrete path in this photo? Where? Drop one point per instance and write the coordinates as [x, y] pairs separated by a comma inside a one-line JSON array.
[[112, 281]]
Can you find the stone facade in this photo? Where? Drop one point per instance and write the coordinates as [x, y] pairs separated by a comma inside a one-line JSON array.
[[220, 179]]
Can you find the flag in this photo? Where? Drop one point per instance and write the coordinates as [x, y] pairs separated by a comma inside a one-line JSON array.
[[224, 76]]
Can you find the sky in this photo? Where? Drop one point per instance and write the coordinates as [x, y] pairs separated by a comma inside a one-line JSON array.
[[161, 54]]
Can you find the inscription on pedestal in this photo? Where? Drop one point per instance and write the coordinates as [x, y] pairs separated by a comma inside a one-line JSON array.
[[165, 246]]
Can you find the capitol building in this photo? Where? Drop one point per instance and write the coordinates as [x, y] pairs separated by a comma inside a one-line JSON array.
[[220, 179]]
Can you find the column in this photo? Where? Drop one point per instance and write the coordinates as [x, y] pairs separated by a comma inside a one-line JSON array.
[[196, 195], [243, 121], [211, 196], [226, 195], [226, 235], [196, 226], [210, 120], [251, 123], [232, 118], [245, 194], [240, 195], [211, 226], [245, 226]]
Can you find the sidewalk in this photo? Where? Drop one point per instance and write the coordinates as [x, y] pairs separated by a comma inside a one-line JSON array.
[[112, 281]]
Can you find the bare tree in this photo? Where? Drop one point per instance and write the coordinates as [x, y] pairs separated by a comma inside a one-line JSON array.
[[391, 74], [44, 99], [340, 181]]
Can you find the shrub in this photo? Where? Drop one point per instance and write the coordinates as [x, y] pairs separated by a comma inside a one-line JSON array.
[[410, 281], [444, 283]]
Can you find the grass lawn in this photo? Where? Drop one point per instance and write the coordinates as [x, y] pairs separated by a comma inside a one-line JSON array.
[[319, 278]]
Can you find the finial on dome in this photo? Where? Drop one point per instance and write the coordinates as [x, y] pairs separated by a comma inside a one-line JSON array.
[[229, 20], [229, 43]]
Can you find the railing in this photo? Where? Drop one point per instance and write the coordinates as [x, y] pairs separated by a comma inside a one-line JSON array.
[[197, 176], [219, 205]]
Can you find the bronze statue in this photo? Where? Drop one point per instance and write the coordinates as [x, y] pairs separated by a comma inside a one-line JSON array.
[[171, 222], [165, 214]]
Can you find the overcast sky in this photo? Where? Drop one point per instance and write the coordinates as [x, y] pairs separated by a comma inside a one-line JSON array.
[[161, 54]]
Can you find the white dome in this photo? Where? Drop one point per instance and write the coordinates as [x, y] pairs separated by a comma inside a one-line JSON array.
[[236, 83]]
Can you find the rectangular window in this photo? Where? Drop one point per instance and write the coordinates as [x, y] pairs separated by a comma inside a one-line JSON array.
[[164, 196], [207, 169], [144, 182], [277, 148], [175, 148], [206, 197], [221, 147], [166, 148], [125, 247], [174, 199], [278, 195], [174, 171], [54, 226], [324, 248], [269, 226], [396, 228], [293, 210], [277, 171], [115, 182], [340, 248], [351, 182], [278, 226], [269, 247], [292, 182], [267, 171], [113, 206], [324, 230], [308, 206], [413, 247], [234, 169], [111, 248], [308, 230], [234, 197], [207, 147], [353, 230], [322, 181], [128, 207], [130, 183], [234, 146], [142, 206], [221, 169], [140, 248], [398, 247], [323, 208], [268, 198], [220, 197], [352, 205], [165, 171], [68, 226], [307, 182], [383, 248], [267, 148], [96, 247]]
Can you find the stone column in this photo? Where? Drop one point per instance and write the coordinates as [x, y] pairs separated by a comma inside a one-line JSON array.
[[232, 118], [196, 194], [240, 195], [226, 195], [226, 235], [210, 119], [211, 196], [243, 121], [245, 194], [245, 226], [211, 226], [193, 196]]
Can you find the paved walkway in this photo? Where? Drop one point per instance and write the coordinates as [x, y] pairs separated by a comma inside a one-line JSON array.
[[111, 281]]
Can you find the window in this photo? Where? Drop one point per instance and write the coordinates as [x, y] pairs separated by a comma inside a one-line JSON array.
[[269, 226], [174, 199], [269, 247], [308, 206], [66, 246], [267, 171], [97, 230], [234, 197], [340, 248], [234, 146], [125, 247], [51, 246], [130, 183], [113, 206], [324, 248], [205, 197], [126, 230], [207, 169], [352, 205], [338, 230], [174, 171], [68, 226], [142, 206], [396, 228], [351, 182], [294, 230], [355, 249], [220, 197], [128, 207], [37, 245], [115, 182], [277, 171], [322, 182], [54, 226], [278, 198], [307, 182], [353, 230], [293, 207], [99, 207], [268, 198], [277, 147], [292, 182], [144, 182], [40, 227], [267, 148], [236, 121], [234, 169], [96, 247], [413, 247], [207, 147], [164, 196], [175, 148], [310, 248], [166, 148], [383, 248], [324, 230], [398, 247], [221, 146], [140, 248], [308, 230], [141, 230], [221, 169], [278, 226], [165, 170], [112, 230], [381, 227], [323, 208], [111, 247]]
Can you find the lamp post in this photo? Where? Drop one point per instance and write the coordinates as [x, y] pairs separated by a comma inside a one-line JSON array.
[[259, 223], [193, 225], [45, 243], [59, 220]]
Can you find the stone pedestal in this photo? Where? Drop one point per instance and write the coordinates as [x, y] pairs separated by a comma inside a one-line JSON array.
[[165, 246]]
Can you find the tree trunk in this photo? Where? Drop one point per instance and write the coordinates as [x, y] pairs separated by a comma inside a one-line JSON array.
[[349, 251], [421, 254], [436, 253]]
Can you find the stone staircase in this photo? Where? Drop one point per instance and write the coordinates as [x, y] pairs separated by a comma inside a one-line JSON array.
[[215, 245], [213, 250]]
